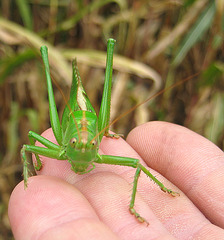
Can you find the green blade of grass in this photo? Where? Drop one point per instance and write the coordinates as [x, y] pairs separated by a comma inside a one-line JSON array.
[[8, 65], [59, 65], [214, 129], [72, 21], [196, 33], [25, 13]]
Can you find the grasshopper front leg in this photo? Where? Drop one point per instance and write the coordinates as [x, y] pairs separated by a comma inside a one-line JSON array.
[[52, 150], [132, 162]]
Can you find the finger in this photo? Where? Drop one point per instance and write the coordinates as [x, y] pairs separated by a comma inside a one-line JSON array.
[[171, 211], [190, 161], [111, 205], [52, 209], [109, 194]]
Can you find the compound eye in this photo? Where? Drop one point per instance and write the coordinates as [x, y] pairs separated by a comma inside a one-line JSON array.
[[73, 142], [94, 143]]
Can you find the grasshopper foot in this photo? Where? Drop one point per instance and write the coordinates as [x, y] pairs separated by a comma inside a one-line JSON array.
[[114, 135], [137, 215], [172, 193], [38, 166]]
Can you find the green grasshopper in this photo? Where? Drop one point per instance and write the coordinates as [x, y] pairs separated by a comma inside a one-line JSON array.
[[80, 132]]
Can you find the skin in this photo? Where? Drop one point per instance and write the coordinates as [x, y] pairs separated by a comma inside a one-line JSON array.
[[59, 204]]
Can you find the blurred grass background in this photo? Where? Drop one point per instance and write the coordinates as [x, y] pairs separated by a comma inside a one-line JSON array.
[[158, 43]]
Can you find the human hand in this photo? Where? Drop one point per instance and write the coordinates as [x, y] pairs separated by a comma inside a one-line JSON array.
[[59, 204]]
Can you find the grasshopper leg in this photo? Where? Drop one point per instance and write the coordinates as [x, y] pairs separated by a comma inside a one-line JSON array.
[[131, 162], [26, 172], [51, 147], [132, 203], [113, 135], [162, 187]]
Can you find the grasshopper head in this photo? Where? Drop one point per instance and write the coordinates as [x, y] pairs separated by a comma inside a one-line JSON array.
[[81, 152]]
